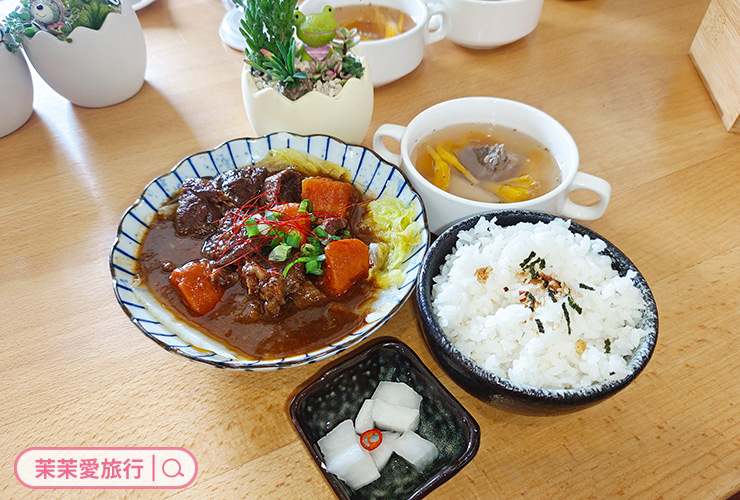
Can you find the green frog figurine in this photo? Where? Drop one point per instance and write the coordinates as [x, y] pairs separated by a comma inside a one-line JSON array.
[[316, 31]]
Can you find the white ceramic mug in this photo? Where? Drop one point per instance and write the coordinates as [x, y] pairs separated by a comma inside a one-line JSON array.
[[392, 58], [444, 209], [485, 24]]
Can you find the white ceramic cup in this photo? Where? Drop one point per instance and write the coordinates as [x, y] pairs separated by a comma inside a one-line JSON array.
[[444, 209], [486, 24], [392, 58]]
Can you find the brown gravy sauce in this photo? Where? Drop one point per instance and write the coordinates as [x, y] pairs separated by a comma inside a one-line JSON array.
[[294, 332]]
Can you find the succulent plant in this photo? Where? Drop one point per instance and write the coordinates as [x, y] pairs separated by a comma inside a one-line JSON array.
[[57, 17], [272, 49]]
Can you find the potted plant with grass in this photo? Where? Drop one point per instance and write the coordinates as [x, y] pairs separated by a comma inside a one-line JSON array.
[[302, 73], [92, 52], [16, 87]]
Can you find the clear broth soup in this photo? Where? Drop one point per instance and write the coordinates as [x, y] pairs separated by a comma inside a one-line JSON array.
[[373, 22], [488, 163]]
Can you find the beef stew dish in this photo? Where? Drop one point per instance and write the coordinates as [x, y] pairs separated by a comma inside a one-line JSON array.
[[275, 261]]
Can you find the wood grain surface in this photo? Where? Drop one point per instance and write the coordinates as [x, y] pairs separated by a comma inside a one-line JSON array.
[[616, 74]]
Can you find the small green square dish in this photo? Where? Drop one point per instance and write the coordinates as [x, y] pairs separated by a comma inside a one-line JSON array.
[[337, 395]]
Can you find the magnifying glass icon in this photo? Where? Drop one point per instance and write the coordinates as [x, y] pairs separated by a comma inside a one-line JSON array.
[[179, 468]]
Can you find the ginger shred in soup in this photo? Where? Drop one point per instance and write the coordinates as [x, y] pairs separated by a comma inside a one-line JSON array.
[[373, 22], [489, 163]]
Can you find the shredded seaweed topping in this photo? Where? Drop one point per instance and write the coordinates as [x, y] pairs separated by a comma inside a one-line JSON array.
[[585, 286], [607, 346], [539, 325], [531, 256], [572, 303], [567, 317]]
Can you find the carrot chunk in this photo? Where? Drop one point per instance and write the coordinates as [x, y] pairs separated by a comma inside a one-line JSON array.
[[327, 195], [346, 262], [292, 219], [196, 288]]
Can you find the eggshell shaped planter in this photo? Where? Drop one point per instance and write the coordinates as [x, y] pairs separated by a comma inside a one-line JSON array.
[[99, 67], [345, 116], [16, 91]]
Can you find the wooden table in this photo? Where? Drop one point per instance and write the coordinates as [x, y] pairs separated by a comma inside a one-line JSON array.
[[616, 73]]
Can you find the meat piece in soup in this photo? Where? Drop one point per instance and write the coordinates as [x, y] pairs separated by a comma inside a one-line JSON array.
[[488, 163]]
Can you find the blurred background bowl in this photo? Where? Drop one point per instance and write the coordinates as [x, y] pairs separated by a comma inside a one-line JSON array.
[[487, 24], [499, 391], [370, 174]]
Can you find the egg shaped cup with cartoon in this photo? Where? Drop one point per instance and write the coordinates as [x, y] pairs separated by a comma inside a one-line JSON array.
[[345, 115], [97, 68]]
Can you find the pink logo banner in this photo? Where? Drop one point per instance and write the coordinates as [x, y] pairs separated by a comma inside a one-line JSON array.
[[106, 468]]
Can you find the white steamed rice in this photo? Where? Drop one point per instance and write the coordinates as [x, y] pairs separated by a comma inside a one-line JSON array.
[[487, 315]]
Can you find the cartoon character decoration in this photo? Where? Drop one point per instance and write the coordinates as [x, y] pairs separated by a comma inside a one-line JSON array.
[[316, 31], [47, 13]]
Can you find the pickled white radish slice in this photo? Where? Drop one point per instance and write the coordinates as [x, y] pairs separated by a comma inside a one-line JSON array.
[[383, 453], [364, 419], [397, 393], [390, 417], [416, 450]]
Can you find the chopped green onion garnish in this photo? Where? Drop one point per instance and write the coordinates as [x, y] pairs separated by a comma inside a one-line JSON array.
[[273, 216], [306, 206], [312, 266], [315, 242], [279, 253], [320, 232], [292, 240], [251, 227]]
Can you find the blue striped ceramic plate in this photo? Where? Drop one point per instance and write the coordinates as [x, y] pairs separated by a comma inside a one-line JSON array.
[[370, 174]]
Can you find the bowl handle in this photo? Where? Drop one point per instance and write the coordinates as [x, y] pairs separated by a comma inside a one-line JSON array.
[[436, 30], [392, 131], [591, 183]]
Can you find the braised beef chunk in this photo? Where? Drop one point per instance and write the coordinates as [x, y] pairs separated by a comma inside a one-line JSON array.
[[272, 294], [241, 185], [308, 295], [295, 277], [268, 285], [199, 207], [225, 249], [274, 290], [230, 244], [334, 226], [283, 187], [225, 277]]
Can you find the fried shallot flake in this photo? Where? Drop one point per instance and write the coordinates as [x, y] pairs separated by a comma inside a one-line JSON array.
[[580, 346], [482, 274]]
